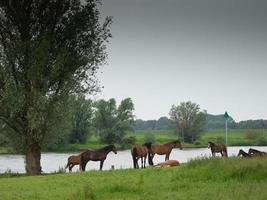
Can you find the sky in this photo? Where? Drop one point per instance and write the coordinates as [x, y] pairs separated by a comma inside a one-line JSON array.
[[211, 52]]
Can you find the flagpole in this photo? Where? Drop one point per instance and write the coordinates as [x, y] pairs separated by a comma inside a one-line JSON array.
[[226, 131], [226, 116]]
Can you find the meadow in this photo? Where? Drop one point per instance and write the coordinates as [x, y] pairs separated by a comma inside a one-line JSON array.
[[216, 178], [236, 137]]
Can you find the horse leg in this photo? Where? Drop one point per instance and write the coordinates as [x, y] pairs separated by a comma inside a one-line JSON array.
[[167, 157], [142, 162], [101, 164], [145, 162], [151, 157], [137, 166], [70, 167], [83, 165]]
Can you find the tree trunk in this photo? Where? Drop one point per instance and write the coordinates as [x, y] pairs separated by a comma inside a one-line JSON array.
[[32, 160]]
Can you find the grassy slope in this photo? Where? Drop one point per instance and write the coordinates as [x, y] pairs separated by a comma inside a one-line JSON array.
[[233, 178]]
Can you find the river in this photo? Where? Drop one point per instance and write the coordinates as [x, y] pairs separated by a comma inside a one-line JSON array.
[[52, 162]]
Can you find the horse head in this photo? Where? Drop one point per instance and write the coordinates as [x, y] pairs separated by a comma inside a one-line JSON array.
[[177, 144], [113, 148], [210, 144], [240, 152]]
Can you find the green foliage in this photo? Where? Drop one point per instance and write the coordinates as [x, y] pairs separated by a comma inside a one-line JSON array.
[[81, 119], [48, 50], [188, 120], [162, 123], [149, 137], [112, 122]]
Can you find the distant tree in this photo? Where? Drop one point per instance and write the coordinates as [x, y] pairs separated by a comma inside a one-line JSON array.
[[162, 123], [48, 50], [189, 120], [112, 122], [81, 119]]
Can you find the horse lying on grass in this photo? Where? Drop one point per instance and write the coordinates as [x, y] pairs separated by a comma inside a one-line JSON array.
[[168, 163]]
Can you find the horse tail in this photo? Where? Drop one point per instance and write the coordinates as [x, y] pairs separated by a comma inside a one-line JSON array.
[[150, 157], [67, 165], [134, 157]]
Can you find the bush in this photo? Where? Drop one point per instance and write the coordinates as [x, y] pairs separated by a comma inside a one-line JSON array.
[[149, 137], [129, 140]]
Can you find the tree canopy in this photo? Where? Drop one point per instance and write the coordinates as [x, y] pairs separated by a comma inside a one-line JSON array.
[[48, 50], [189, 120]]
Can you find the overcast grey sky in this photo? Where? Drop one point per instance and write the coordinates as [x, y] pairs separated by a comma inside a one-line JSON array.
[[212, 52]]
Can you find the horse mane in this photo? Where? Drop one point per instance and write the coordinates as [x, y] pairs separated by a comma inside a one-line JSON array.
[[108, 147], [148, 145], [172, 142], [211, 143]]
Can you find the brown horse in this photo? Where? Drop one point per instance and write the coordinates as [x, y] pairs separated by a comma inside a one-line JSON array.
[[96, 155], [168, 163], [256, 152], [139, 151], [72, 161], [217, 148], [161, 149], [243, 154]]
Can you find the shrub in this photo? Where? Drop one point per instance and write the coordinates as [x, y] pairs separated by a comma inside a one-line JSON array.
[[149, 137]]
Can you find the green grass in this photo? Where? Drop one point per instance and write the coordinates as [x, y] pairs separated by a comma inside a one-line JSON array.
[[232, 178], [242, 137]]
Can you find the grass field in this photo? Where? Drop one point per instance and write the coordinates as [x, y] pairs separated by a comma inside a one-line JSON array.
[[243, 137], [232, 178]]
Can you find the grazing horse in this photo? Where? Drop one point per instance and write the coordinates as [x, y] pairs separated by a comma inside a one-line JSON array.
[[72, 161], [256, 152], [139, 151], [96, 155], [161, 149], [217, 148], [244, 154]]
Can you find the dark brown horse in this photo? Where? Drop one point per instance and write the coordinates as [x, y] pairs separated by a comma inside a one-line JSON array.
[[243, 154], [217, 148], [139, 151], [96, 155], [161, 149], [72, 161], [256, 152]]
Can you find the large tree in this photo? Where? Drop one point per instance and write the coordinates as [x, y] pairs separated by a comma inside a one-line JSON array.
[[189, 120], [48, 50], [112, 122]]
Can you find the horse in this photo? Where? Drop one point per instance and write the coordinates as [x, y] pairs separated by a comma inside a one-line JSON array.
[[168, 163], [256, 152], [96, 155], [217, 148], [244, 154], [139, 151], [72, 161], [161, 149]]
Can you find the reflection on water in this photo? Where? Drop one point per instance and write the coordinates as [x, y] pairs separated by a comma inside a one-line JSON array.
[[53, 161]]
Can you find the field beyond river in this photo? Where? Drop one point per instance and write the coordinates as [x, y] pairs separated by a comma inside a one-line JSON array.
[[236, 137], [214, 178]]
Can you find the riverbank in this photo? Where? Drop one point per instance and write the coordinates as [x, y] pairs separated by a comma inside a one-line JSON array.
[[236, 137], [232, 178]]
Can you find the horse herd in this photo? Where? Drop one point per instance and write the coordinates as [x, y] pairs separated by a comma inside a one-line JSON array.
[[148, 150]]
